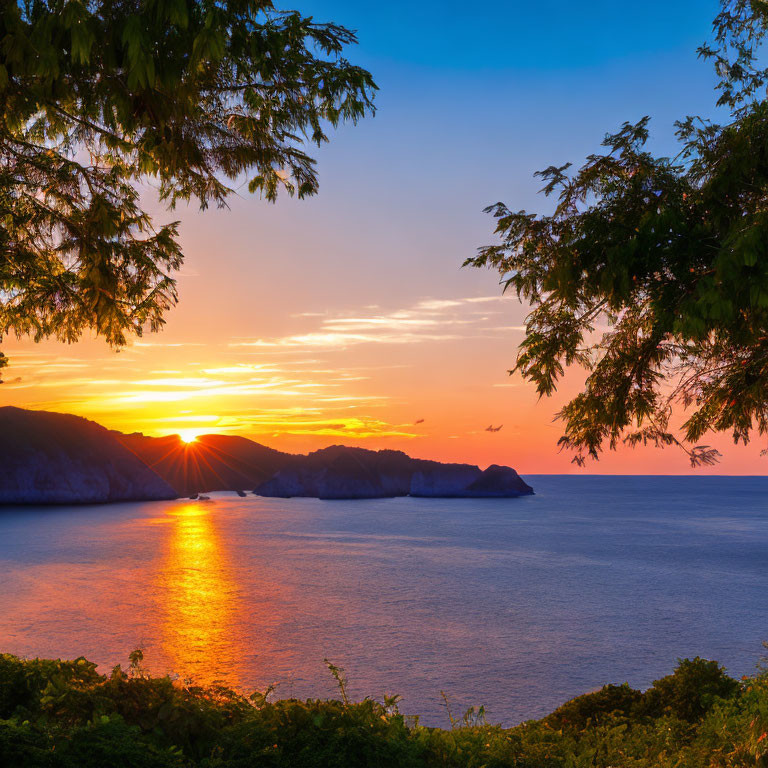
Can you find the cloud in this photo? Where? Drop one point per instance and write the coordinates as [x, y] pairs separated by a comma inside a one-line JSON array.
[[180, 381], [186, 418], [439, 304], [295, 422], [355, 428], [169, 344], [242, 368], [483, 299], [343, 340], [427, 320]]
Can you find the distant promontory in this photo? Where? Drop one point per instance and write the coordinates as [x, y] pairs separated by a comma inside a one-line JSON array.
[[339, 472], [54, 458]]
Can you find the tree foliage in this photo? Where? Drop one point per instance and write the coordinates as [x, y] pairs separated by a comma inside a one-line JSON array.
[[98, 97], [652, 272]]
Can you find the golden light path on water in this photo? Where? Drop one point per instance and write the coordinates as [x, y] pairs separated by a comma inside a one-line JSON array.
[[200, 599]]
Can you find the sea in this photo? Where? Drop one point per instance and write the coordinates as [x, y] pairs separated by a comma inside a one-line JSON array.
[[512, 604]]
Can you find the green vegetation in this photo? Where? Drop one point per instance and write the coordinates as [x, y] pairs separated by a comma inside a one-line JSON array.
[[63, 714], [669, 257], [100, 97]]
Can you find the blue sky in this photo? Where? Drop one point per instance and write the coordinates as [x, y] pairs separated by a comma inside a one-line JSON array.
[[533, 37], [474, 100]]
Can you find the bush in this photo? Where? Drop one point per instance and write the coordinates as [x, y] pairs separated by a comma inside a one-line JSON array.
[[690, 691], [106, 743], [595, 708], [21, 746], [27, 688], [63, 714], [306, 734]]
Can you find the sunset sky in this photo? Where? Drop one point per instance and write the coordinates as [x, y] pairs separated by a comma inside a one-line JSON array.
[[347, 318]]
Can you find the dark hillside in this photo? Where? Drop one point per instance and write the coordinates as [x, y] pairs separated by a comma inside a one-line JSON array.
[[56, 458]]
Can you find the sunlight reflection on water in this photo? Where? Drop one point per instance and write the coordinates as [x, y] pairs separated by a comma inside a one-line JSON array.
[[199, 599]]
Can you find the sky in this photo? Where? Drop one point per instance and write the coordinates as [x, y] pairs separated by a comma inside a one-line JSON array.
[[347, 318]]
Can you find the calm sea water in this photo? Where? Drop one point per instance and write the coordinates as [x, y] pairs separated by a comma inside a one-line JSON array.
[[515, 604]]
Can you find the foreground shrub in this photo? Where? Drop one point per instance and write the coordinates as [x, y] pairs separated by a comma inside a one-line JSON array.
[[62, 714], [106, 743], [305, 734], [30, 687], [690, 691], [594, 708]]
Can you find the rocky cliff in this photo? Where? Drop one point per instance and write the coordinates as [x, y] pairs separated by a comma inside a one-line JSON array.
[[55, 458], [497, 482], [444, 480], [339, 472]]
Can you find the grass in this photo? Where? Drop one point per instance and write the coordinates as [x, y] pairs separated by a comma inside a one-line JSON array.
[[64, 714]]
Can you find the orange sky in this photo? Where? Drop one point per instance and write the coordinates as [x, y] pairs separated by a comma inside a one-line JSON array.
[[346, 318], [285, 352]]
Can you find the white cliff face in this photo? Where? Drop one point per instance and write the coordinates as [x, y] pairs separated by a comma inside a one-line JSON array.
[[53, 458]]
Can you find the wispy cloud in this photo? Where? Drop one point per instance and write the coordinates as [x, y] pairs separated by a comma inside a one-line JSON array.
[[167, 344], [427, 320]]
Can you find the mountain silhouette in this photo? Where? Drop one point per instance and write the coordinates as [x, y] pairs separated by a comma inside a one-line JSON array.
[[54, 458]]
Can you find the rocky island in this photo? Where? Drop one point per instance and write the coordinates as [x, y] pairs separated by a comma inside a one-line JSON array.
[[55, 458]]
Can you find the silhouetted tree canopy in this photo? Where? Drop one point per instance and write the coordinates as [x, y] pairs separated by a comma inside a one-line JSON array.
[[98, 96], [653, 272]]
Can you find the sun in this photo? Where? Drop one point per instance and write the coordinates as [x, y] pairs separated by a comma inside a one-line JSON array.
[[189, 435]]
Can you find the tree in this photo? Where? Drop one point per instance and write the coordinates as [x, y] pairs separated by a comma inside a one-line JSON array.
[[670, 256], [98, 97]]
